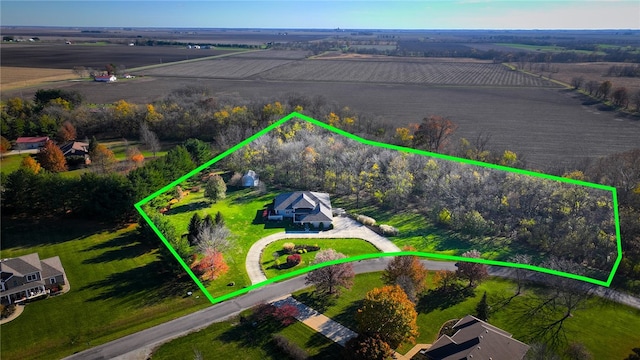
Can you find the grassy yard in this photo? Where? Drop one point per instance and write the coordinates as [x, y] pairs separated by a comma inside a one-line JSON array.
[[239, 209], [417, 231], [114, 289], [585, 325], [9, 164], [228, 340], [349, 247]]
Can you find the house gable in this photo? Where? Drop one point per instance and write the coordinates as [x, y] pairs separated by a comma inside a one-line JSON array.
[[476, 339]]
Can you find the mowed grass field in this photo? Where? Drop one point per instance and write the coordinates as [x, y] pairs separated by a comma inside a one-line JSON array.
[[114, 289]]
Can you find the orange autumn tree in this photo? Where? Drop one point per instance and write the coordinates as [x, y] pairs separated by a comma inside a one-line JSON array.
[[211, 265], [135, 156], [407, 272], [51, 158], [388, 313]]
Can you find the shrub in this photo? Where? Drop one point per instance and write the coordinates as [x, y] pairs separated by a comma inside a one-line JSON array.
[[366, 220], [290, 348], [293, 260], [288, 247], [388, 230], [444, 217], [7, 310]]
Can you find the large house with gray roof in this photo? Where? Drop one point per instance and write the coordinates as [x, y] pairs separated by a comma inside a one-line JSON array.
[[476, 339], [303, 207], [28, 277]]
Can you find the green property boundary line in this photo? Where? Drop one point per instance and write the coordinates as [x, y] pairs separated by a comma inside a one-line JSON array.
[[297, 115]]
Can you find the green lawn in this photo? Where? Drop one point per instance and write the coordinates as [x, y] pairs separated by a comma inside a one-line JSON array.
[[228, 340], [9, 164], [348, 247], [239, 210], [114, 289], [417, 231], [586, 325]]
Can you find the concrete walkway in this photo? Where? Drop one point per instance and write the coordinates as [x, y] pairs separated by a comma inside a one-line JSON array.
[[343, 227], [333, 330]]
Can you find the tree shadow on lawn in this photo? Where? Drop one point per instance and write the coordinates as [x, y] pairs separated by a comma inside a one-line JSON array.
[[126, 246], [253, 334], [147, 285], [348, 316], [39, 232], [194, 206], [328, 352], [318, 302], [439, 299]]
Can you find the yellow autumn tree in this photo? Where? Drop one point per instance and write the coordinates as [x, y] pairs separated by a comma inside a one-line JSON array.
[[30, 164]]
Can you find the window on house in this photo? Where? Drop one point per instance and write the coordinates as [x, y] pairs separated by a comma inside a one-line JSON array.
[[32, 277], [53, 280]]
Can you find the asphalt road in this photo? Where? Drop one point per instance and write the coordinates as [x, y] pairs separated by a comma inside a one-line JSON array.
[[139, 345]]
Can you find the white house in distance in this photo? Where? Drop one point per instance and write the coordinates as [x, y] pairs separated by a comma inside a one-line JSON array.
[[105, 78], [303, 207]]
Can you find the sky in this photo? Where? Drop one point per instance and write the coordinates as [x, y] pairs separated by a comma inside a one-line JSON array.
[[326, 14]]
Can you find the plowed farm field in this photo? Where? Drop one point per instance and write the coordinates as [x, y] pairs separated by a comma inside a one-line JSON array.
[[446, 73], [224, 68], [274, 66]]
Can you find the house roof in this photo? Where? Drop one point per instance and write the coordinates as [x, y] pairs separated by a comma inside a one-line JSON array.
[[476, 339], [318, 203], [52, 267], [75, 148], [22, 265], [31, 139]]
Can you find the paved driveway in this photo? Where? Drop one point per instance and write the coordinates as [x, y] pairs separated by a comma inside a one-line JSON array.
[[343, 227]]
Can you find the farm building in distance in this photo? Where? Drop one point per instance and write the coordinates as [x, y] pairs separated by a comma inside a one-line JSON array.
[[28, 143], [105, 78]]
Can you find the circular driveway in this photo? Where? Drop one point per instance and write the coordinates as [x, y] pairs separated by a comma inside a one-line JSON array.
[[343, 227]]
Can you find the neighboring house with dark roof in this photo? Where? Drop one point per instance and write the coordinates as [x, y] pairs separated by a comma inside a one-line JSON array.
[[27, 277], [31, 142], [303, 207], [476, 339], [75, 150], [250, 179]]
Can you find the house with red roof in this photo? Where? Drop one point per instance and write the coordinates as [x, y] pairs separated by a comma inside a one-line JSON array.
[[30, 142]]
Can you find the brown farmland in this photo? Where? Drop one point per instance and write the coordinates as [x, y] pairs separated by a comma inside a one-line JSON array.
[[411, 72], [67, 57], [14, 77], [543, 123]]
